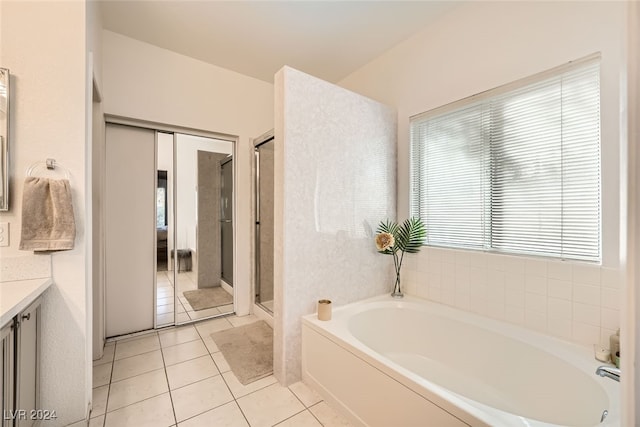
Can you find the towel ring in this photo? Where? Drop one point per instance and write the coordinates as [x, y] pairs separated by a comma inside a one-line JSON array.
[[49, 165]]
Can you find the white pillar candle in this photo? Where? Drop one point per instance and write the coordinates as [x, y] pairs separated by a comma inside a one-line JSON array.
[[324, 309]]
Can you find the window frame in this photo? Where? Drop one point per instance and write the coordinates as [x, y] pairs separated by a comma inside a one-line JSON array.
[[479, 98]]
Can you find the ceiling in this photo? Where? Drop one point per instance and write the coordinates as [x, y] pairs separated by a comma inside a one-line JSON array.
[[328, 39]]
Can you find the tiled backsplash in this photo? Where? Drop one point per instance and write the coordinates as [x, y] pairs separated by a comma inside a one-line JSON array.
[[32, 266], [574, 301]]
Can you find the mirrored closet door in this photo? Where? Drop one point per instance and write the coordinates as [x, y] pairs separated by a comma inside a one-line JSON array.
[[169, 228]]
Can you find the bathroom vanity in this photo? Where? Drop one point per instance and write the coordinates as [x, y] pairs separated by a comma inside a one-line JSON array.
[[20, 320]]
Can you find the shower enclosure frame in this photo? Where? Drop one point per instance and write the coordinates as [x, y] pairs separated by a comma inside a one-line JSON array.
[[261, 140]]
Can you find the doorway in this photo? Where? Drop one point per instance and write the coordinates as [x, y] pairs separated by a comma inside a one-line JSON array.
[[167, 231]]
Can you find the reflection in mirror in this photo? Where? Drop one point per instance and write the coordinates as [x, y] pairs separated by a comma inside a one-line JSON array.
[[165, 312], [203, 249], [4, 139]]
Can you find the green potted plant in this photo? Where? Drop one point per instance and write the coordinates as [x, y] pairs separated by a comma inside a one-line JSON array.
[[392, 238]]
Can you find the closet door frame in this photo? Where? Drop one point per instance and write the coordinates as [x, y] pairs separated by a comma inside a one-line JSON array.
[[164, 128]]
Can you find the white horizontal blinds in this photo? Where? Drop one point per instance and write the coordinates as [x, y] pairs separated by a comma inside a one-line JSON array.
[[517, 170], [525, 136], [581, 160], [448, 157], [545, 147]]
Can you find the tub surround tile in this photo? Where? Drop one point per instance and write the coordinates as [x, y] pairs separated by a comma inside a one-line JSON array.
[[448, 297], [448, 256], [514, 265], [535, 320], [496, 292], [516, 288], [514, 315], [588, 274], [587, 314], [586, 294], [560, 308], [536, 284], [585, 333], [605, 335], [477, 276], [463, 301], [480, 306], [535, 302], [495, 310], [535, 267], [560, 327], [560, 289], [610, 318], [610, 278], [560, 270], [514, 298], [461, 258], [611, 298], [515, 281], [478, 260]]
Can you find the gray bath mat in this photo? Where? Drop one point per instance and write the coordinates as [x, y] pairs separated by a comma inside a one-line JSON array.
[[201, 299], [248, 350]]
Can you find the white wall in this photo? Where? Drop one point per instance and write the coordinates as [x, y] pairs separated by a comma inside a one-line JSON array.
[[44, 46], [476, 47], [334, 182], [145, 82], [631, 217]]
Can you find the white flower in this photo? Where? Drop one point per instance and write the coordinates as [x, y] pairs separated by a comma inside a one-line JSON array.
[[385, 241]]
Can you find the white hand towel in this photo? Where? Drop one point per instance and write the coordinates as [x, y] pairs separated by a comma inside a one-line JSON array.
[[48, 223]]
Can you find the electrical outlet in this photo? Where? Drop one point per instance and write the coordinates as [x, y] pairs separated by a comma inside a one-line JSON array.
[[4, 234]]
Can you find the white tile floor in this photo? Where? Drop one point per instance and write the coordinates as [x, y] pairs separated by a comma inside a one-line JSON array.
[[177, 377], [184, 313]]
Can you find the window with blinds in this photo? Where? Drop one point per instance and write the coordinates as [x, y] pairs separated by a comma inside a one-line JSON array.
[[515, 169]]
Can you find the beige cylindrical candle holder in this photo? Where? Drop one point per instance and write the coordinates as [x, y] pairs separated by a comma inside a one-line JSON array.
[[324, 309]]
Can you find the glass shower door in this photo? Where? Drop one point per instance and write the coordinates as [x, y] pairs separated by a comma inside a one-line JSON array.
[[264, 223]]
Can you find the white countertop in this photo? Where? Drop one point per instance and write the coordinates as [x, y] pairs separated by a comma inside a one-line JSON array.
[[15, 296]]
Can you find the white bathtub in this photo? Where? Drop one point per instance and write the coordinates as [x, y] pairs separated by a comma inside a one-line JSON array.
[[411, 362]]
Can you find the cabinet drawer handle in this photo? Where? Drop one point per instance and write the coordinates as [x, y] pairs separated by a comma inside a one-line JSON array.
[[26, 316]]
